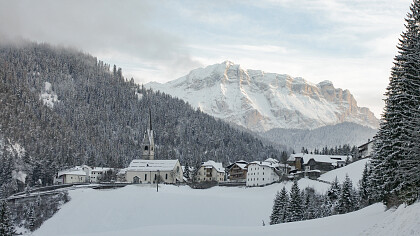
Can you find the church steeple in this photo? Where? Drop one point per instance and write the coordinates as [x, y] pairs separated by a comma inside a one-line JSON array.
[[150, 119], [148, 144]]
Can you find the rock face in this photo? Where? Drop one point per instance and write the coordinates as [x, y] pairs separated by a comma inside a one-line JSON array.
[[262, 101]]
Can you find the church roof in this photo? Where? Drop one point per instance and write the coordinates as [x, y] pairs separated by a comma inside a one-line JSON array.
[[152, 165]]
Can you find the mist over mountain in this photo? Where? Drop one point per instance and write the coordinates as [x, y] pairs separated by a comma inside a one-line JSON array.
[[262, 101], [330, 135]]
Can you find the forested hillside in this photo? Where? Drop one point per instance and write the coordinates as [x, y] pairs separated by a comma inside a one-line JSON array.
[[65, 108]]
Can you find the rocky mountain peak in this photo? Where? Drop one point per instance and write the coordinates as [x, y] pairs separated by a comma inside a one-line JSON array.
[[261, 101]]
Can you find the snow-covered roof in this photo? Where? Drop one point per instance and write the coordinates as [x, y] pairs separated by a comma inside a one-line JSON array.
[[122, 171], [101, 169], [71, 172], [270, 162], [152, 165], [333, 159], [217, 165], [242, 165]]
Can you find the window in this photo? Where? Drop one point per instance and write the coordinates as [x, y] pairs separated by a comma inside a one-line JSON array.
[[155, 176], [146, 148], [263, 179], [166, 176], [145, 177]]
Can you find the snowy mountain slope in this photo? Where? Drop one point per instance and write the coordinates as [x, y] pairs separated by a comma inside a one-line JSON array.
[[261, 101], [140, 210]]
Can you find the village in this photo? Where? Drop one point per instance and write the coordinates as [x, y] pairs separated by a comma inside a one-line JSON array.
[[147, 170]]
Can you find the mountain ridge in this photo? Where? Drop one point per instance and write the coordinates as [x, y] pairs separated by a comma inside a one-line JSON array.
[[261, 101]]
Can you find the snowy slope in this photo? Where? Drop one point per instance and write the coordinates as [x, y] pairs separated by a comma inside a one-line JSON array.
[[134, 207], [261, 101], [140, 210], [354, 170]]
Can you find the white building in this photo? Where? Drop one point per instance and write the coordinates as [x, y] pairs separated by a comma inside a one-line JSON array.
[[148, 171], [211, 171], [97, 174], [262, 173], [70, 176]]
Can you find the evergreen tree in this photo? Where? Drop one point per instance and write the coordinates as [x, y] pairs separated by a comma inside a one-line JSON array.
[[395, 165], [276, 209], [310, 211], [364, 191], [325, 208], [187, 171], [333, 194], [295, 209], [279, 213], [6, 225], [347, 200]]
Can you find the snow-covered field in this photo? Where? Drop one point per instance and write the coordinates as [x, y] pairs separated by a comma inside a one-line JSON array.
[[140, 210]]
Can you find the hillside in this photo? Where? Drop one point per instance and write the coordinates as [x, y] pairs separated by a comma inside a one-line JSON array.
[[354, 170], [262, 101], [330, 135], [67, 108]]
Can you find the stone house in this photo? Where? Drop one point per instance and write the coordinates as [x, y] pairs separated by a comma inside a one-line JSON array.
[[210, 171]]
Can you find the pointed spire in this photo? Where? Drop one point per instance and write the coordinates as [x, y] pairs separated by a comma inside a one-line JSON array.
[[150, 119]]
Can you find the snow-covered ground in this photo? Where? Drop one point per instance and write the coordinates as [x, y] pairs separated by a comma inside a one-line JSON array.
[[140, 210], [354, 170], [48, 97]]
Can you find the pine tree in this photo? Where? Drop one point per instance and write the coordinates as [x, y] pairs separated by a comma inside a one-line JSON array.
[[309, 204], [187, 171], [295, 209], [364, 191], [6, 225], [347, 200], [325, 208], [276, 209], [395, 165], [333, 194], [284, 199], [279, 213]]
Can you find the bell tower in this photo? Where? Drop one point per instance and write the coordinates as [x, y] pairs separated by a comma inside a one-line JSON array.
[[148, 144]]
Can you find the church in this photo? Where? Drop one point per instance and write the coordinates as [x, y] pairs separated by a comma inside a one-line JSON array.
[[149, 170]]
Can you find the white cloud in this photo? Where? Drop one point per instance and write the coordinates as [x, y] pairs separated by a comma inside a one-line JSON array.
[[350, 42]]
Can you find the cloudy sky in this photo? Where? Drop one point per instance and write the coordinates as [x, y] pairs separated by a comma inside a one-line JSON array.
[[349, 42]]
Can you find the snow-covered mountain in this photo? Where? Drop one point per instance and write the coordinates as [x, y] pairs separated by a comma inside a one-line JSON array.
[[261, 101]]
